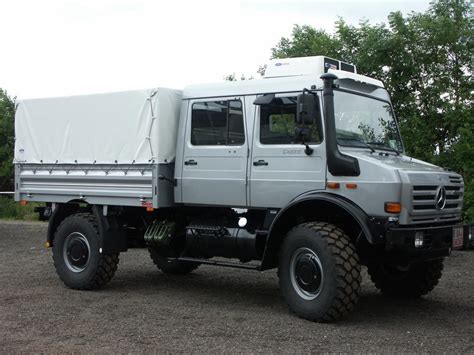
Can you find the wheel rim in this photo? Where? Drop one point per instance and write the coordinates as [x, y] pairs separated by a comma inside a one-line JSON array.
[[306, 273], [76, 252]]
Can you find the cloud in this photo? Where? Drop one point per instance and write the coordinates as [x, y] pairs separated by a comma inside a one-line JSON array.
[[69, 47]]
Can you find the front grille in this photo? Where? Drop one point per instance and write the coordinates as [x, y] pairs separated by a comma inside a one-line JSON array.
[[455, 179], [424, 208]]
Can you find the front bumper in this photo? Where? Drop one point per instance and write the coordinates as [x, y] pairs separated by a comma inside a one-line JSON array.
[[433, 242], [395, 243]]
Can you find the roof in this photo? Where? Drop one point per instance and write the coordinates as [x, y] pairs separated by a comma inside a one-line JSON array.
[[270, 85], [345, 75], [251, 87]]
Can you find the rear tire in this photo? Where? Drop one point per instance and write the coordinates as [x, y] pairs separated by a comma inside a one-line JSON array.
[[76, 255], [319, 272], [412, 281], [170, 266]]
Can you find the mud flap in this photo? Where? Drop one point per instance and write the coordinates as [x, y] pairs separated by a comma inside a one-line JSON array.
[[113, 236]]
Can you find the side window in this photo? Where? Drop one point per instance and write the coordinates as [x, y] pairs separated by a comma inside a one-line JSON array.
[[278, 122], [217, 123]]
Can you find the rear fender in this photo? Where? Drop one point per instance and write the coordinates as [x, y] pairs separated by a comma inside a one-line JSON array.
[[113, 238], [62, 211]]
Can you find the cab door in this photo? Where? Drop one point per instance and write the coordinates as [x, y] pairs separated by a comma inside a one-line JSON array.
[[280, 170], [214, 170]]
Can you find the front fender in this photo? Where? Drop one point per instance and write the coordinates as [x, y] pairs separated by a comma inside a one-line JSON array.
[[317, 206]]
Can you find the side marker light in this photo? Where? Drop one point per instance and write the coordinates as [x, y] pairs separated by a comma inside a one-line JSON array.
[[393, 207]]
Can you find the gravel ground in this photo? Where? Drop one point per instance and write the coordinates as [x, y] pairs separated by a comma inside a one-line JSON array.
[[210, 310]]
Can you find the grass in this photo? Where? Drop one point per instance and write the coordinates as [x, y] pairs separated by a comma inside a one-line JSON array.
[[9, 209]]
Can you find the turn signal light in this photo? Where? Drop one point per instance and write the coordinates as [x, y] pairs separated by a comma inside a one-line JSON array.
[[351, 185], [23, 202], [393, 207], [333, 185]]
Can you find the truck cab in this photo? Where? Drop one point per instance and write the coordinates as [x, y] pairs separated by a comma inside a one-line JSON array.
[[303, 170], [239, 152]]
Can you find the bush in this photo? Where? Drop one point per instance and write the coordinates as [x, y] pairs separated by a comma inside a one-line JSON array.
[[9, 209]]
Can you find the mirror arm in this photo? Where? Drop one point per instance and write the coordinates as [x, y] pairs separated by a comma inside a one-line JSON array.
[[312, 92], [308, 150]]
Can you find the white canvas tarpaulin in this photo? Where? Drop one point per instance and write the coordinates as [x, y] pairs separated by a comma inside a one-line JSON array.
[[113, 128]]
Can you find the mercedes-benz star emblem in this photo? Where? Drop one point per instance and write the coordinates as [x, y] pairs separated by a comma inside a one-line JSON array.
[[440, 198]]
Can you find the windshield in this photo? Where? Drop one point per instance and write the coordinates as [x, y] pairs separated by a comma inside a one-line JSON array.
[[362, 121]]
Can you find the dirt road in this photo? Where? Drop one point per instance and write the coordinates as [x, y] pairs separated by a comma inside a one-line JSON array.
[[211, 310]]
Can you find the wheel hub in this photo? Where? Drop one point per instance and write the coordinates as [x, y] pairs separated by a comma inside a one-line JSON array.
[[306, 273], [76, 252]]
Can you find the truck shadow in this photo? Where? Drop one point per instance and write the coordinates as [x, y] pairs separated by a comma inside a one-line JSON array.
[[244, 290], [236, 288], [374, 307]]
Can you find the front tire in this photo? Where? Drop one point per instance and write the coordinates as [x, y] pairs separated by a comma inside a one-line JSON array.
[[409, 281], [319, 272], [76, 255]]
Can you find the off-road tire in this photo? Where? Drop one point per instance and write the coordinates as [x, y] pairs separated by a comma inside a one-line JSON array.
[[341, 271], [415, 281], [168, 266], [100, 267]]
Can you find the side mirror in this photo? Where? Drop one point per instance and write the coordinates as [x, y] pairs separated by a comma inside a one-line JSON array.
[[264, 99], [307, 109]]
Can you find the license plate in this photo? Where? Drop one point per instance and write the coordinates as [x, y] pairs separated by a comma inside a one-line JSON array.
[[457, 237]]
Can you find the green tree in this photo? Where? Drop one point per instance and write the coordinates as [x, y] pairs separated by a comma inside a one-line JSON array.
[[434, 83], [306, 41], [7, 114], [425, 61]]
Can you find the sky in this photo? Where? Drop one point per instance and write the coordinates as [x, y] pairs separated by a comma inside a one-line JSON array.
[[68, 47]]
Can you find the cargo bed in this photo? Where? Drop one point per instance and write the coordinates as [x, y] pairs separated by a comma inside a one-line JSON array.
[[108, 149], [122, 185]]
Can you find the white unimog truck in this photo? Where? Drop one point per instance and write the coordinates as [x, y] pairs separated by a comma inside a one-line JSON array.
[[303, 170]]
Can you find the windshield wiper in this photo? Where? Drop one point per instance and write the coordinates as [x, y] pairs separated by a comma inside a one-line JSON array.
[[362, 144], [382, 146]]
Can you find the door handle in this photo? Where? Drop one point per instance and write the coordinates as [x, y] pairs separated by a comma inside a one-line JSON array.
[[260, 163], [190, 162]]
